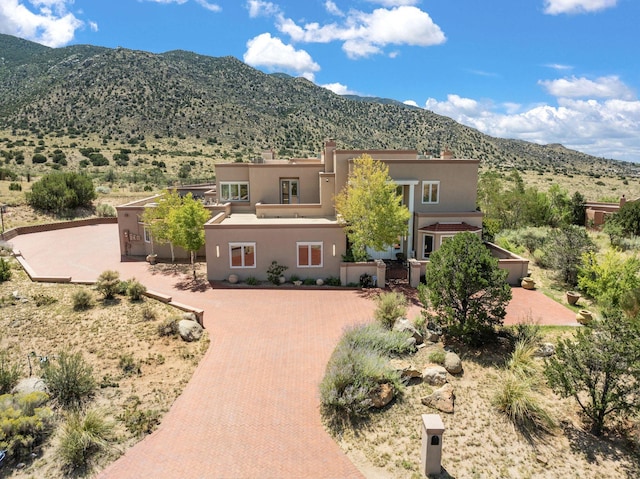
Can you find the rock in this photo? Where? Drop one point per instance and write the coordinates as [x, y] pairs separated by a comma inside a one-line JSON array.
[[319, 281], [411, 342], [434, 375], [233, 278], [189, 316], [406, 326], [545, 350], [30, 385], [442, 399], [405, 368], [189, 330], [382, 395], [452, 363], [431, 336]]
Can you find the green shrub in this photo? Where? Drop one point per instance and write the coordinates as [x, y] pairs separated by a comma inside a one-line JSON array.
[[136, 421], [82, 300], [13, 186], [9, 373], [105, 211], [376, 338], [522, 360], [25, 423], [252, 281], [149, 313], [129, 365], [527, 332], [309, 282], [42, 299], [136, 290], [391, 306], [108, 284], [5, 270], [437, 357], [59, 191], [332, 281], [83, 435], [70, 380], [274, 272]]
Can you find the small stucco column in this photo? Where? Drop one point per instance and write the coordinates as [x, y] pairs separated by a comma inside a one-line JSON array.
[[431, 451], [414, 273], [381, 272]]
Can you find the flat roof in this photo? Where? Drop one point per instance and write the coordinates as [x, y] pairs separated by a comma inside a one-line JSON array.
[[237, 219]]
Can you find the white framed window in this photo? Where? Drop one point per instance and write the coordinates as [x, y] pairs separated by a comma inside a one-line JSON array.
[[309, 254], [427, 246], [147, 235], [445, 238], [234, 191], [430, 192], [242, 255]]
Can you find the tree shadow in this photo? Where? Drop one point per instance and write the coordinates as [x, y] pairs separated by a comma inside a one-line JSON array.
[[197, 285]]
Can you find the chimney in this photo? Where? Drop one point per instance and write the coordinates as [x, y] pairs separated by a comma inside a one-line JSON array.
[[327, 157], [446, 154], [623, 200]]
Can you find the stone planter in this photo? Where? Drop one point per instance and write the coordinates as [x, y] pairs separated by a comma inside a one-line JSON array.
[[572, 297], [152, 258], [528, 283], [319, 281], [584, 316]]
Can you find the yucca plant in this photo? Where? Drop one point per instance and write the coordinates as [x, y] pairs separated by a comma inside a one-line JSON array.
[[83, 435]]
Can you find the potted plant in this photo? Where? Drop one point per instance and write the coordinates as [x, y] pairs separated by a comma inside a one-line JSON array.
[[528, 283], [584, 316]]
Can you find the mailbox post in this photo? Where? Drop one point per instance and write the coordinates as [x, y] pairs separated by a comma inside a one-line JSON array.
[[431, 452]]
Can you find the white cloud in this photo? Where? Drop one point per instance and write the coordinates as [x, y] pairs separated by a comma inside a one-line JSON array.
[[394, 3], [411, 103], [93, 26], [50, 24], [603, 87], [339, 89], [556, 7], [559, 66], [259, 8], [605, 128], [365, 34], [333, 9], [270, 52], [166, 2], [212, 7]]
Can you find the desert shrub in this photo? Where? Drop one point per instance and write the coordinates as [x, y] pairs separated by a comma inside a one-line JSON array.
[[351, 375], [5, 270], [70, 380], [169, 327], [83, 435], [105, 211], [530, 238], [607, 279], [527, 331], [129, 365], [294, 277], [522, 359], [437, 356], [309, 282], [391, 306], [274, 272], [9, 373], [25, 423], [515, 397], [136, 421], [332, 281], [5, 247], [135, 290], [373, 337], [13, 186], [252, 281], [59, 191], [103, 190], [42, 299], [149, 313], [108, 284], [82, 300]]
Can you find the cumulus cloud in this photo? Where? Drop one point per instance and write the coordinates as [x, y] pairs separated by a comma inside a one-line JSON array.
[[603, 87], [260, 8], [339, 89], [44, 21], [556, 7], [333, 9], [394, 3], [271, 53], [606, 128], [364, 34], [411, 103], [212, 7]]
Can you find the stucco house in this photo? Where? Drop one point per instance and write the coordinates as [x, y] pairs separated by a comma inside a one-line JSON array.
[[282, 210]]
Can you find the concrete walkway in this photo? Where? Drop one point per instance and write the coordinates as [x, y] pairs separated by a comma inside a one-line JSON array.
[[251, 408]]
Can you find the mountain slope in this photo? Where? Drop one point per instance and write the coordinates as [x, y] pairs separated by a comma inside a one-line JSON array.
[[122, 93]]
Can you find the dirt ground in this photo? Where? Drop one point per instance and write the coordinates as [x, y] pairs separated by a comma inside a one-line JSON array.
[[135, 368]]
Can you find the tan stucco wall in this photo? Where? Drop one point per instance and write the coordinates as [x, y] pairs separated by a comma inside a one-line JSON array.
[[273, 243]]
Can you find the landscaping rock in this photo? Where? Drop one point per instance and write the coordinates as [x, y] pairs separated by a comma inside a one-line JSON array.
[[442, 399], [30, 385], [431, 336], [189, 316], [412, 342], [189, 330], [405, 368], [406, 325], [382, 395], [434, 375], [545, 350], [452, 363]]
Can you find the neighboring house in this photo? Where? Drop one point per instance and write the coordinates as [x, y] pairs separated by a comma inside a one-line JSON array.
[[283, 210], [596, 213]]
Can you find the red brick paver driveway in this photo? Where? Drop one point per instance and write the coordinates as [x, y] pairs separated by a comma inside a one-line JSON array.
[[251, 408]]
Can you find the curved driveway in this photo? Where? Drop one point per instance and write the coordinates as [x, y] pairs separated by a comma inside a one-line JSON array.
[[251, 408]]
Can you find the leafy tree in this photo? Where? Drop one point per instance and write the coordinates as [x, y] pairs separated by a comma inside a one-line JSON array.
[[157, 219], [628, 218], [370, 208], [577, 209], [466, 286], [600, 369], [59, 191], [563, 251], [187, 222], [609, 279]]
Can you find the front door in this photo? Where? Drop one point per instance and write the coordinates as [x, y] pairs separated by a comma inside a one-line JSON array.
[[289, 192]]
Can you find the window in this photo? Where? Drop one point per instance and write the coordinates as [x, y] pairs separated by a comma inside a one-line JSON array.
[[309, 255], [147, 235], [234, 191], [427, 248], [289, 191], [430, 192], [242, 255]]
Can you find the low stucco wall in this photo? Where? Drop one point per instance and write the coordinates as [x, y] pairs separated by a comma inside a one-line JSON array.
[[350, 272], [23, 230]]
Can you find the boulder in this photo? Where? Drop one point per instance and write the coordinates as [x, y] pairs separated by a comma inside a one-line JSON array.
[[405, 368], [431, 336], [189, 330], [29, 385], [442, 399], [406, 326], [382, 395], [434, 375], [452, 363], [545, 350]]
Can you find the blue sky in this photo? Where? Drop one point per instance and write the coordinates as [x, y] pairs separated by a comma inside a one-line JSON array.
[[547, 71]]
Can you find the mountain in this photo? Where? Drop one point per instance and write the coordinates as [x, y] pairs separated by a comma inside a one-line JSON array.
[[121, 93]]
